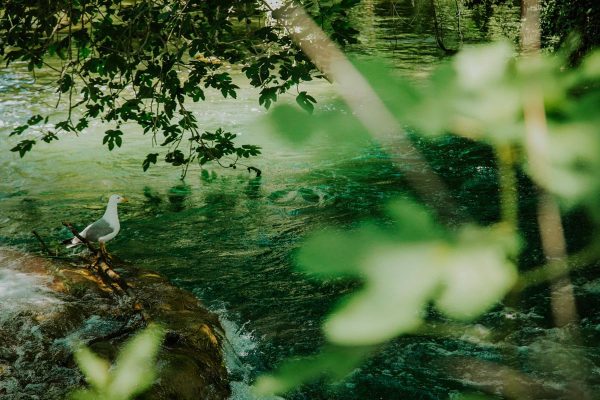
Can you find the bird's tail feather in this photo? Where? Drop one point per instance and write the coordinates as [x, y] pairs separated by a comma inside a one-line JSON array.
[[72, 242]]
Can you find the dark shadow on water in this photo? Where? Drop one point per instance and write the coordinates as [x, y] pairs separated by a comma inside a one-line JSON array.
[[253, 188], [177, 196]]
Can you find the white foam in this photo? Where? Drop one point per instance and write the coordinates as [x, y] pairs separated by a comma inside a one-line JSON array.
[[243, 391], [21, 290], [240, 347]]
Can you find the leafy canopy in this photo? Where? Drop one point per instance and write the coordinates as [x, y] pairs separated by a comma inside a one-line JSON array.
[[144, 61]]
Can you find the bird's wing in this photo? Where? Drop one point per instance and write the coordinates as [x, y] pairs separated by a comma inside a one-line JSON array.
[[74, 241], [97, 230], [84, 232]]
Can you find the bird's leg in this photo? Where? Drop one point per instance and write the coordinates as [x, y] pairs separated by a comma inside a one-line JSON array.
[[104, 253], [97, 257]]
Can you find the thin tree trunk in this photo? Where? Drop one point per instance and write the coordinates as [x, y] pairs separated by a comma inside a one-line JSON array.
[[439, 35]]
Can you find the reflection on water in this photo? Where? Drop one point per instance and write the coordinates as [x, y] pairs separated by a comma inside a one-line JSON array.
[[403, 31], [177, 196]]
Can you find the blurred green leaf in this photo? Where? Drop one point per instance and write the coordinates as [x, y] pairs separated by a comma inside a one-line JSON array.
[[572, 166], [590, 66], [134, 369], [291, 124], [336, 127], [132, 374], [336, 253], [412, 222], [398, 94], [330, 253], [477, 274], [399, 282], [335, 362], [85, 395], [480, 67], [469, 396], [407, 267], [93, 367]]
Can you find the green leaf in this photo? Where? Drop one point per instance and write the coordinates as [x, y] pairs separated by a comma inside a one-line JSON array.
[[590, 67], [84, 52], [35, 119], [267, 96], [467, 396], [571, 164], [292, 124], [405, 267], [65, 83], [84, 395], [81, 124], [93, 367], [306, 101], [23, 147], [330, 253], [113, 137], [479, 67], [400, 280], [19, 130], [336, 253], [333, 361], [477, 274], [134, 369], [399, 95], [412, 222], [175, 158], [150, 159]]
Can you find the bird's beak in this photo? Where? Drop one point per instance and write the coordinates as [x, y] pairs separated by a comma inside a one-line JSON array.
[[124, 200]]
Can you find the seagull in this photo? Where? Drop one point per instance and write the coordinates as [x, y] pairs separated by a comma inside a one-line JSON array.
[[103, 229]]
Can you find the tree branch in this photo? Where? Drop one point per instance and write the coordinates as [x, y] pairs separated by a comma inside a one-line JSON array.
[[45, 248]]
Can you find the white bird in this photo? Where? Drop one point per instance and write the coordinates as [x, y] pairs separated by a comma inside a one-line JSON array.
[[103, 229]]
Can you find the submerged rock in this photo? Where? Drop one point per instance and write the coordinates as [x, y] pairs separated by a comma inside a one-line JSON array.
[[47, 308]]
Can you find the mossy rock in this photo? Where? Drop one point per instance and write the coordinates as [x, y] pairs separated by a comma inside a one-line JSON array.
[[59, 304]]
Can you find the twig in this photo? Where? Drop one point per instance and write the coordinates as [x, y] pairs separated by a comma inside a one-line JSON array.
[[124, 330], [555, 269], [258, 171], [108, 274], [45, 248]]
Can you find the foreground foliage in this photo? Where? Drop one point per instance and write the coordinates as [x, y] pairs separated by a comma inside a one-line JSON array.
[[540, 118], [133, 371]]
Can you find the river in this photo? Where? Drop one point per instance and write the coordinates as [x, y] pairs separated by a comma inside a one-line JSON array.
[[229, 237]]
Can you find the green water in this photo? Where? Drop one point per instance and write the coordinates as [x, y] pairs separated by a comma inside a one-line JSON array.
[[229, 237]]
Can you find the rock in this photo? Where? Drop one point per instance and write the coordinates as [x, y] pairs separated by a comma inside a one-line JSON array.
[[47, 307]]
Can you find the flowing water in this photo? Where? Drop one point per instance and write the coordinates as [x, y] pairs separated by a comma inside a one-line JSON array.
[[230, 237]]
